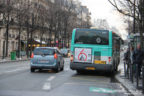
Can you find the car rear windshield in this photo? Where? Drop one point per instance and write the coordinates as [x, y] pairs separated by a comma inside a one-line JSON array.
[[99, 37], [44, 51]]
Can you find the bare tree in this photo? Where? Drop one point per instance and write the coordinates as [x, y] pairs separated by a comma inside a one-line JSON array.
[[20, 12], [101, 24], [134, 9], [7, 11]]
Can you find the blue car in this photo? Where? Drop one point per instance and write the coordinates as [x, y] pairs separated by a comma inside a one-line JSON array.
[[46, 58]]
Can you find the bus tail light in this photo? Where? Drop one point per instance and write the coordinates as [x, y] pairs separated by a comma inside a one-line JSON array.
[[71, 58], [109, 59]]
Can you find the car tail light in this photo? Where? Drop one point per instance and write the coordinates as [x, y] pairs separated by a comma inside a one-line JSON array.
[[32, 55], [109, 59], [71, 58], [55, 56]]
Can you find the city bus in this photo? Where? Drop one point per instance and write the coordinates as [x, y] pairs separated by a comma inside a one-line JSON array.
[[93, 49]]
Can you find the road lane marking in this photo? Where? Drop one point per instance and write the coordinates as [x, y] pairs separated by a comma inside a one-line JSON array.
[[101, 90], [85, 83], [106, 90], [66, 69], [47, 86], [51, 78], [88, 78]]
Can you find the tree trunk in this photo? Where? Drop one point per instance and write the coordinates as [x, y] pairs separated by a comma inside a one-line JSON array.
[[19, 41], [7, 36], [27, 49]]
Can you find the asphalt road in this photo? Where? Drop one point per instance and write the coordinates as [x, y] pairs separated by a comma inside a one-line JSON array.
[[17, 80]]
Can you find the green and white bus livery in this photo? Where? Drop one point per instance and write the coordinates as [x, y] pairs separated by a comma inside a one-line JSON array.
[[93, 49]]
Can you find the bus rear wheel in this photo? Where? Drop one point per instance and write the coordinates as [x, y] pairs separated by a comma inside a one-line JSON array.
[[116, 68], [32, 70], [79, 71]]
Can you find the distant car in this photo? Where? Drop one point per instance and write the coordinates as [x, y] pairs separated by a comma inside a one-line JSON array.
[[47, 58], [64, 51]]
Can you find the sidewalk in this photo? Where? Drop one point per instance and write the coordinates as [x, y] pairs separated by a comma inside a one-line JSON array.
[[126, 82], [8, 59]]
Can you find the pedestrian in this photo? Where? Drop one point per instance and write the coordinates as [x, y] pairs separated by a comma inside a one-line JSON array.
[[127, 61], [138, 58], [132, 65], [127, 54], [131, 54]]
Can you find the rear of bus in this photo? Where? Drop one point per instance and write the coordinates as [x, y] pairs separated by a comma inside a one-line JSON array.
[[91, 49]]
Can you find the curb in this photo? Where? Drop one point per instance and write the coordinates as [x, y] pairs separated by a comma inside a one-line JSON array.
[[129, 86], [8, 61]]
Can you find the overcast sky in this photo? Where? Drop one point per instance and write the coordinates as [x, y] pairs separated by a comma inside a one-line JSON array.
[[102, 9]]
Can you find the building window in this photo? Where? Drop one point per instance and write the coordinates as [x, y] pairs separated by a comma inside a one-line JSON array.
[[13, 46]]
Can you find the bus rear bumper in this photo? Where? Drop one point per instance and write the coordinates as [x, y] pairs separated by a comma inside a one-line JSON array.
[[96, 67]]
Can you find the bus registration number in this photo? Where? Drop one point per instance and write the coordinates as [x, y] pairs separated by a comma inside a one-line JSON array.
[[99, 62]]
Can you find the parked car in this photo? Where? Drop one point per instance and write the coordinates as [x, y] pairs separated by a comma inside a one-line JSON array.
[[46, 58]]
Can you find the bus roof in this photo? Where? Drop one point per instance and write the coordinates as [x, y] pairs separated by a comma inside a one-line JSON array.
[[90, 29]]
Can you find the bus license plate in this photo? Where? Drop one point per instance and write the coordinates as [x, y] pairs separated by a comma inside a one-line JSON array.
[[99, 62], [90, 68]]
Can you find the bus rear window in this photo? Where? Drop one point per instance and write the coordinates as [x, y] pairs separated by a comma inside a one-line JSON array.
[[99, 37]]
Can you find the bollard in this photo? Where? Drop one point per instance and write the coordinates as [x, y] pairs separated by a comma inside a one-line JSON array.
[[137, 76], [125, 68], [143, 79], [131, 72]]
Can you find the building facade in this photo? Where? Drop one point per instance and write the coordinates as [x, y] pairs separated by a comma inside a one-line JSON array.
[[39, 21]]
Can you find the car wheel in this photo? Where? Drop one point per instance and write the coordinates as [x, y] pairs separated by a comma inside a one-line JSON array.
[[116, 68], [57, 69], [79, 71], [40, 70], [62, 68], [32, 70]]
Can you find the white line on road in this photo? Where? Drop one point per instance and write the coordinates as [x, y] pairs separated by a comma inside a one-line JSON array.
[[51, 78], [46, 86], [66, 69]]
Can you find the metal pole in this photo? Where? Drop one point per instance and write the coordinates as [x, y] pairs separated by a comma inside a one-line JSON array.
[[137, 76], [132, 73], [128, 69], [134, 16], [143, 79]]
